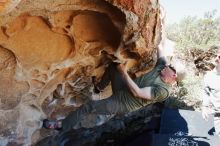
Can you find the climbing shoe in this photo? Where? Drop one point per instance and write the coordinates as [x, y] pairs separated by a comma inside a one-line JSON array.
[[52, 124]]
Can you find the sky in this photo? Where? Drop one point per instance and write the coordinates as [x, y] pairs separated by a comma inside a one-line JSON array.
[[178, 9]]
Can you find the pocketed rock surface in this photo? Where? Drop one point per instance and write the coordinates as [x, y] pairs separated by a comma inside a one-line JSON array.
[[50, 49]]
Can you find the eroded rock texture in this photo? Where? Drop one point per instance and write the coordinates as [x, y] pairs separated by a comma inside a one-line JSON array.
[[204, 60], [49, 50]]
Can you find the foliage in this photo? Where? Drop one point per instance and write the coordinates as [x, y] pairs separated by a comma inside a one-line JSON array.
[[190, 34], [194, 32]]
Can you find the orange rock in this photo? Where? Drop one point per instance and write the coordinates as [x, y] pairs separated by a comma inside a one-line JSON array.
[[57, 46]]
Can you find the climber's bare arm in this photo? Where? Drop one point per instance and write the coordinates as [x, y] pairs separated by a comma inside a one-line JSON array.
[[144, 93]]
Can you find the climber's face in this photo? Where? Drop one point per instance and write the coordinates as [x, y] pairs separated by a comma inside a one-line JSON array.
[[169, 74]]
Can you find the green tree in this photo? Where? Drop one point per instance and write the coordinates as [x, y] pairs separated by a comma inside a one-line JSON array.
[[194, 32]]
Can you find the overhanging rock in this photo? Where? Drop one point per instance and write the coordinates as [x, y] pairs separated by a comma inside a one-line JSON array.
[[49, 50]]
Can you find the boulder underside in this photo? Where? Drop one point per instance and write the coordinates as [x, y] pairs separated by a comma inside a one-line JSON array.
[[49, 51]]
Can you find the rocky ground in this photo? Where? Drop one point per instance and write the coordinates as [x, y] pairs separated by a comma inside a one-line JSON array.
[[120, 130]]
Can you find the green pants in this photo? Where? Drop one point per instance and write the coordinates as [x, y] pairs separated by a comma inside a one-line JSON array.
[[106, 106]]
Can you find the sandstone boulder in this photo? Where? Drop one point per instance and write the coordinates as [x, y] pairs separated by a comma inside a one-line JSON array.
[[49, 50]]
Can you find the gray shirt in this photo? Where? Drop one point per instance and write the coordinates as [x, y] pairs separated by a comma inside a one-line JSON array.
[[212, 89]]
